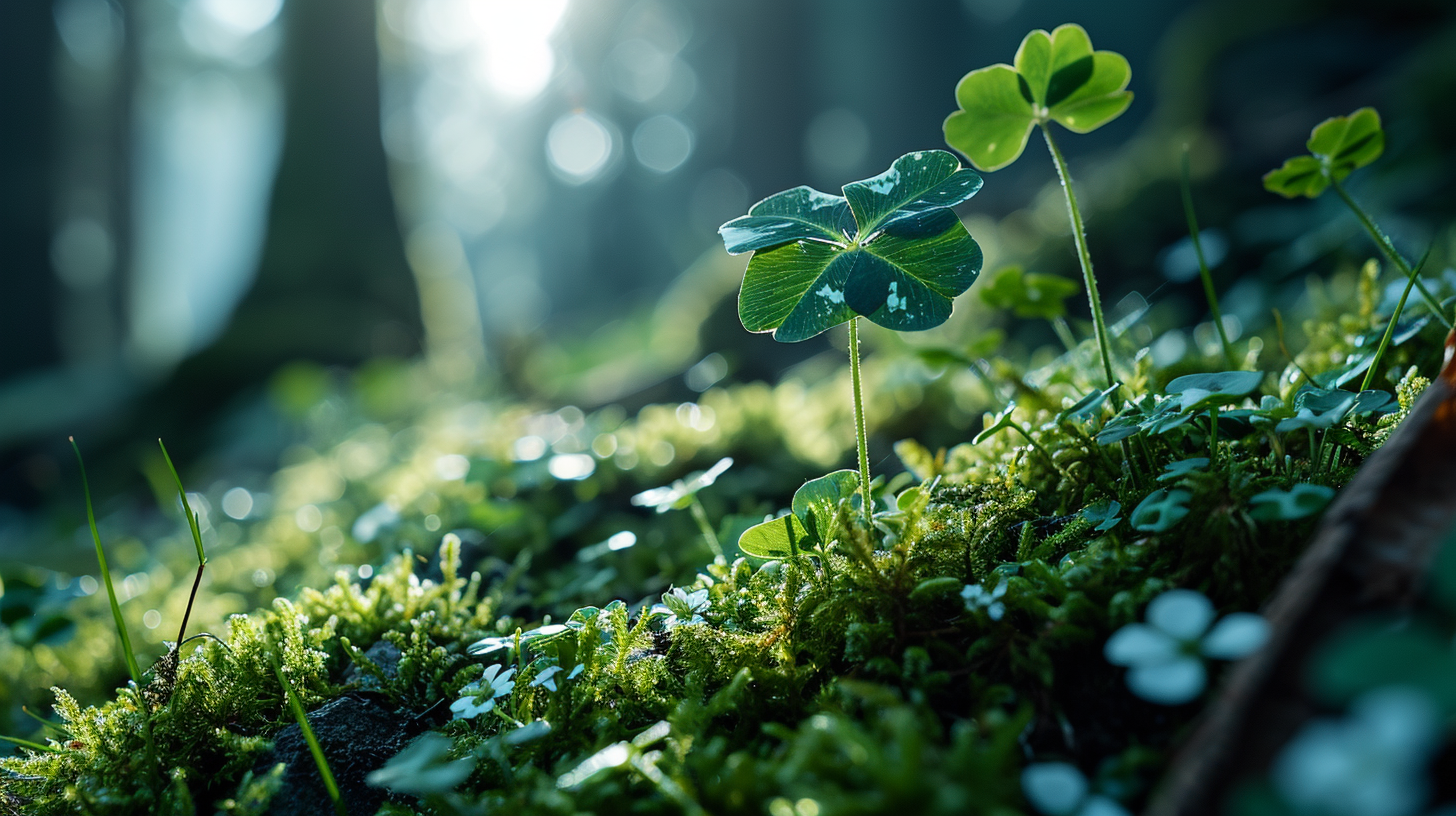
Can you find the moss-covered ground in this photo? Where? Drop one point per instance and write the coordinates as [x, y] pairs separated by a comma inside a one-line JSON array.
[[915, 661]]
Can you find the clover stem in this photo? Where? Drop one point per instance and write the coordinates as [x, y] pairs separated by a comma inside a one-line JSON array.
[[1079, 234], [1213, 436], [1035, 444], [1208, 291], [701, 517], [1390, 327], [1383, 241], [859, 418]]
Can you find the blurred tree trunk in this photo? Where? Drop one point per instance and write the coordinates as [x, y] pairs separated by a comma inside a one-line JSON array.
[[31, 301], [333, 285]]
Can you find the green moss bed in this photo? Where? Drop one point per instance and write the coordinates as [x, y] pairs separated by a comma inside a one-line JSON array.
[[915, 663]]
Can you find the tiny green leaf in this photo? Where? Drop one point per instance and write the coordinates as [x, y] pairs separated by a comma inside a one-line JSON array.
[[1161, 510], [1029, 294], [1205, 390], [1301, 500], [1338, 146], [1057, 77], [891, 250], [776, 538], [816, 502]]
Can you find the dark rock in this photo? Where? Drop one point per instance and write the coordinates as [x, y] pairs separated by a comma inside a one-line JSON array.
[[386, 656], [358, 734]]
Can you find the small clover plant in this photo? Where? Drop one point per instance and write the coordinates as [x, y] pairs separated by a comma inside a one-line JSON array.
[[810, 521], [1056, 77], [1337, 147], [890, 250]]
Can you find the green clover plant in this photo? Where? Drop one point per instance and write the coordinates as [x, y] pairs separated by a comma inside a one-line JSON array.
[[811, 519], [890, 250], [1057, 77], [1339, 146]]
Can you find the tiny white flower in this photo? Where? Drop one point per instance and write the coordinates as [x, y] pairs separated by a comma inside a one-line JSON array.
[[1165, 655], [977, 597], [1060, 789], [479, 697]]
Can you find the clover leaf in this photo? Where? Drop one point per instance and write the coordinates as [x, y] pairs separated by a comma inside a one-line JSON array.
[[1160, 510], [1197, 391], [1337, 145], [1301, 500], [1103, 515], [889, 249], [1183, 467], [1029, 294], [1057, 77], [811, 518]]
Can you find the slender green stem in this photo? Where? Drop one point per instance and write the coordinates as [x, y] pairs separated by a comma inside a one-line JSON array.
[[1390, 327], [313, 744], [1025, 434], [1213, 436], [859, 419], [194, 527], [1208, 291], [1383, 241], [131, 661], [701, 517], [1079, 234], [1064, 333]]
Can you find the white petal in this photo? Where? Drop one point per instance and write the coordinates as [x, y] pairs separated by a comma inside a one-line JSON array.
[[1054, 788], [1101, 806], [1182, 613], [1172, 683], [1236, 636], [1137, 643]]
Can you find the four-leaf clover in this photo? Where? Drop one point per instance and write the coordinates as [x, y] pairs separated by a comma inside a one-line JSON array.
[[890, 249], [1057, 77]]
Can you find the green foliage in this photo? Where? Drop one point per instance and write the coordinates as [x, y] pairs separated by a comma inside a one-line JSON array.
[[1338, 146], [1028, 294], [1056, 77], [812, 520], [890, 250]]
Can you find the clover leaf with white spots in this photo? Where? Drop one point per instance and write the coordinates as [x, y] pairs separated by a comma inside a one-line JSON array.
[[890, 249], [1164, 656]]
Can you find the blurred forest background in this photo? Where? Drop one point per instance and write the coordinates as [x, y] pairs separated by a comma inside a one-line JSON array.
[[197, 193]]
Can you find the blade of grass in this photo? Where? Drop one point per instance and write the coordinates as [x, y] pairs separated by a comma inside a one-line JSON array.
[[1208, 291], [1394, 319], [193, 525], [312, 740], [34, 746], [1388, 247], [131, 661]]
